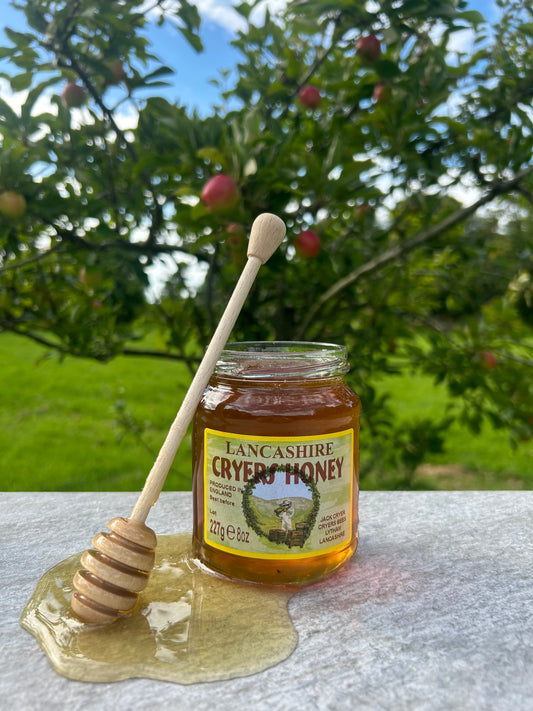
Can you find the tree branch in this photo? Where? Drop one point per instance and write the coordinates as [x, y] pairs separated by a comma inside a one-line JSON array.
[[146, 247], [419, 239], [159, 354], [30, 260], [526, 192], [41, 340], [127, 351]]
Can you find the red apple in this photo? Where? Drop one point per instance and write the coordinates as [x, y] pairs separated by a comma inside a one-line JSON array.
[[361, 211], [235, 238], [73, 96], [117, 70], [90, 277], [382, 93], [368, 48], [310, 96], [307, 243], [237, 243], [220, 193], [488, 360], [12, 205]]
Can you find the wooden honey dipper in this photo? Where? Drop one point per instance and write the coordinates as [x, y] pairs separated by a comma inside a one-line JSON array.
[[118, 570]]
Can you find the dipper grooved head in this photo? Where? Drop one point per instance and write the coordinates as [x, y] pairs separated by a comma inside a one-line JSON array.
[[114, 574]]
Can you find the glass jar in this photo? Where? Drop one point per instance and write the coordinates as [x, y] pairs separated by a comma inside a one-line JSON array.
[[275, 463]]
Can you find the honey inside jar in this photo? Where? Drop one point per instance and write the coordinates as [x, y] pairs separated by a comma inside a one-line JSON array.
[[275, 463]]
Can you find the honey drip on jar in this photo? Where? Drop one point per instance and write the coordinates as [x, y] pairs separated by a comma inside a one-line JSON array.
[[190, 626]]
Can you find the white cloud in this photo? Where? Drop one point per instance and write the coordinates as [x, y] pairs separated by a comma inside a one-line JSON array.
[[222, 12], [461, 41], [126, 117]]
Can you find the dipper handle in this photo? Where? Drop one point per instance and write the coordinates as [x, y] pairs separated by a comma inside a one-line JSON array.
[[119, 568], [266, 235]]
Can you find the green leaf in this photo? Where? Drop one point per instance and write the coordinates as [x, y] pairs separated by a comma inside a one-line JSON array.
[[332, 151], [472, 16], [455, 126], [387, 69], [244, 9], [416, 7], [211, 154], [185, 191], [527, 28], [20, 82], [250, 168], [18, 38], [160, 71], [36, 19], [189, 14], [252, 126], [9, 117], [32, 97], [152, 84], [192, 38], [198, 211]]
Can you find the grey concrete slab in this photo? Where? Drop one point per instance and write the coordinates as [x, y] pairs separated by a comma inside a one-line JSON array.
[[434, 611]]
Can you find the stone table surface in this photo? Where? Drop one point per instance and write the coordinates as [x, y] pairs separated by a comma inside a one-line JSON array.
[[433, 612]]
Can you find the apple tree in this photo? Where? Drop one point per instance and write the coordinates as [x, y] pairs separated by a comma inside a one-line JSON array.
[[395, 141]]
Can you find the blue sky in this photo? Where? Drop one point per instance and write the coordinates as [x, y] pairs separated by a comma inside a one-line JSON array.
[[190, 84]]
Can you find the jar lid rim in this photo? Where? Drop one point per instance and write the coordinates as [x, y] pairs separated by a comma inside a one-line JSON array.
[[282, 359], [276, 347]]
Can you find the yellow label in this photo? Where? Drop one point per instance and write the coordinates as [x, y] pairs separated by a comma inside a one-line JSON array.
[[278, 497]]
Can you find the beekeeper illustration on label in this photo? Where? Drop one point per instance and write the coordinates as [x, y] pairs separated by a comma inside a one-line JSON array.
[[285, 511]]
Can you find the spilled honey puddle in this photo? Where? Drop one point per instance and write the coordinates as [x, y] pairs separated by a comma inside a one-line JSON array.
[[190, 626]]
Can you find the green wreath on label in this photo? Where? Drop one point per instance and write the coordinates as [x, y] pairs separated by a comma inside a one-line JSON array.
[[251, 516]]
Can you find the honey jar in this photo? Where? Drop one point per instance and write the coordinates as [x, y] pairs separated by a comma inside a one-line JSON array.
[[275, 463]]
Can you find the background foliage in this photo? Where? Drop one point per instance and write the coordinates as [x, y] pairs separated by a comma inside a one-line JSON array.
[[422, 200]]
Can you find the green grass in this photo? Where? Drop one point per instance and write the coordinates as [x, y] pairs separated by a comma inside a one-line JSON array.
[[59, 428], [58, 420], [484, 461]]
